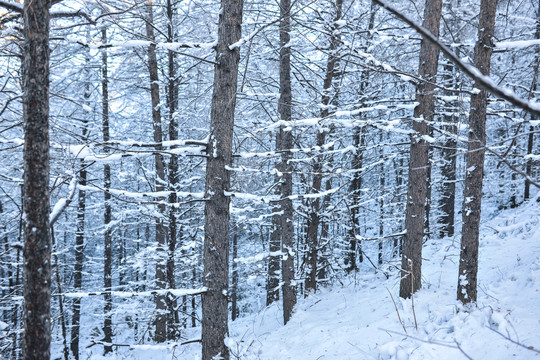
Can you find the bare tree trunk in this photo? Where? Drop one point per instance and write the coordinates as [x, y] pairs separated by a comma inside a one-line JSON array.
[[37, 241], [172, 101], [272, 283], [217, 205], [327, 98], [411, 262], [161, 232], [468, 259], [285, 167], [107, 254], [79, 233]]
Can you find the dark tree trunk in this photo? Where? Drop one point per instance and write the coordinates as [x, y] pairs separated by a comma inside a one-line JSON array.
[[79, 233], [107, 252], [411, 262], [217, 209], [285, 167], [468, 259], [172, 101], [327, 98], [161, 232], [272, 283], [37, 242]]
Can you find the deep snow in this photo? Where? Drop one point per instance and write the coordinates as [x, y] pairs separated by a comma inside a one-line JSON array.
[[359, 321]]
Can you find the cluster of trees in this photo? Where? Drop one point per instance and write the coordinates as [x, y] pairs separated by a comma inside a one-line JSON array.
[[334, 137]]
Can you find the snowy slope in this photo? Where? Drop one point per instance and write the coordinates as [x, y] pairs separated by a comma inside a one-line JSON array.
[[359, 320]]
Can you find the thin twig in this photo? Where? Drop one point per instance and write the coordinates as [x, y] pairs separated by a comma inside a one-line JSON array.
[[397, 311]]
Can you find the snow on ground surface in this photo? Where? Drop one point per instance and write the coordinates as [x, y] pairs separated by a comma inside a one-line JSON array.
[[359, 320]]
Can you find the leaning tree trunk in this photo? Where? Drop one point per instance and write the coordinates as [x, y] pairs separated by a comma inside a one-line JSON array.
[[107, 252], [314, 216], [161, 301], [285, 167], [468, 258], [217, 204], [411, 262], [37, 242]]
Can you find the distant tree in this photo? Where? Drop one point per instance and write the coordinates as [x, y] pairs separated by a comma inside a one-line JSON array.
[[472, 197]]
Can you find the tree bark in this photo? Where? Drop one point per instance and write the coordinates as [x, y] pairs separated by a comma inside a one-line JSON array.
[[411, 262], [161, 232], [217, 205], [172, 101], [107, 252], [37, 242], [285, 166], [468, 259]]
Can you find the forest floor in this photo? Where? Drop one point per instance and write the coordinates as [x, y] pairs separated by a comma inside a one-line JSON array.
[[359, 320]]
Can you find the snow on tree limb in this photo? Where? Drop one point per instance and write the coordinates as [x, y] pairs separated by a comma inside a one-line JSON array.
[[469, 70]]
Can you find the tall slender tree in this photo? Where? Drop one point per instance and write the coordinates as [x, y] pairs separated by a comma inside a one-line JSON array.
[[411, 262], [37, 241], [285, 166], [472, 195], [217, 204], [107, 251], [161, 232]]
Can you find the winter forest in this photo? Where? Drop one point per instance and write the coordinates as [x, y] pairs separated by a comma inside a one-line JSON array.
[[285, 179]]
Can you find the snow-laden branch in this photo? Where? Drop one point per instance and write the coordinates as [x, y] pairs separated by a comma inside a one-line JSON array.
[[469, 70], [63, 203]]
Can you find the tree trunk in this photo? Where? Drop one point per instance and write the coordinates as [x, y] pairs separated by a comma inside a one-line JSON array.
[[161, 283], [411, 262], [217, 205], [285, 166], [327, 98], [468, 259], [172, 101], [107, 253], [79, 233], [37, 242]]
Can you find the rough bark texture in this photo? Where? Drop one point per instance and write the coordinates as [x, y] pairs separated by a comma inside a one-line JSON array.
[[411, 262], [172, 101], [107, 252], [285, 167], [468, 259], [217, 212], [161, 232], [37, 242], [314, 216]]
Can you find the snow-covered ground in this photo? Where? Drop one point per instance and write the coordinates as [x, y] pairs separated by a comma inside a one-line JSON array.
[[359, 319]]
